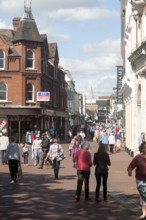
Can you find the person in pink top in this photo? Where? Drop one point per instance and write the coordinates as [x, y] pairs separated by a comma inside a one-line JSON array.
[[84, 162]]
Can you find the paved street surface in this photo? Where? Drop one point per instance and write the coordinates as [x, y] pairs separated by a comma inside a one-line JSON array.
[[40, 196]]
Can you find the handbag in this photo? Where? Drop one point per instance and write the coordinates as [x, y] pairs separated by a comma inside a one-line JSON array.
[[142, 190], [19, 172], [61, 156]]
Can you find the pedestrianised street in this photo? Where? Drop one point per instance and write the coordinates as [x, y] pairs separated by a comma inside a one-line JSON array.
[[39, 196]]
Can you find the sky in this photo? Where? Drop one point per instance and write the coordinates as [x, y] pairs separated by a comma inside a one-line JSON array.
[[87, 33]]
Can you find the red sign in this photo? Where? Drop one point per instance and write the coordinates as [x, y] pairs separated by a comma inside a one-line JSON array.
[[2, 124]]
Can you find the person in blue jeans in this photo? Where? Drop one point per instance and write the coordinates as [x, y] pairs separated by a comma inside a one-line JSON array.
[[25, 154], [54, 150]]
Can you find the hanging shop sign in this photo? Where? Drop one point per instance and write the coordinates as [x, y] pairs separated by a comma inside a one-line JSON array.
[[2, 124], [43, 96]]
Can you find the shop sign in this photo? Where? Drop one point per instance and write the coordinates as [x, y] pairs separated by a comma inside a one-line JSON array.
[[2, 124], [43, 96]]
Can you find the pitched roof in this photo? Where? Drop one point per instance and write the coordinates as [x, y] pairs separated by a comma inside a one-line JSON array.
[[27, 29], [7, 35]]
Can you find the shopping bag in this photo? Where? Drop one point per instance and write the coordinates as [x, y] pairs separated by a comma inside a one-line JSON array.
[[19, 172], [60, 157]]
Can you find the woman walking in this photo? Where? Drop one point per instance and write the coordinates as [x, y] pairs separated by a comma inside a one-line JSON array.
[[54, 151], [36, 149], [139, 164], [101, 161], [84, 162]]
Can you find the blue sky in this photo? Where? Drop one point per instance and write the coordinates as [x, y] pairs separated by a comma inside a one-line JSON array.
[[87, 33]]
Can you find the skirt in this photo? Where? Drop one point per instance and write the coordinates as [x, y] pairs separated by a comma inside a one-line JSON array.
[[142, 202]]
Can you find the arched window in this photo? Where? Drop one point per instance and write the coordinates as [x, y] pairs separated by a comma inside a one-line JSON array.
[[3, 92], [29, 92], [30, 59], [1, 59]]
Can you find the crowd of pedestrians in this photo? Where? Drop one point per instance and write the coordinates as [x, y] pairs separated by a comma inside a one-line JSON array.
[[45, 149]]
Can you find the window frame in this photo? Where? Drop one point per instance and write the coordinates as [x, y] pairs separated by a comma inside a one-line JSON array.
[[30, 92], [4, 91], [2, 59], [30, 59]]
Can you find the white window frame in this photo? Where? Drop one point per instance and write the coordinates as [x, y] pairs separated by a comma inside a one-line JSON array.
[[4, 100], [32, 100], [32, 59], [3, 59]]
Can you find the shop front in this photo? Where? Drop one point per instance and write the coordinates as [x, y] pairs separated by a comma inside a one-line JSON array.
[[17, 121]]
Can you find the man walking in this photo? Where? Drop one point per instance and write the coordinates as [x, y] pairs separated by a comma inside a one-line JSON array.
[[45, 149]]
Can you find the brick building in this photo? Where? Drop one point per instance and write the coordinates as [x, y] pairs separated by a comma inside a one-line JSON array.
[[29, 64]]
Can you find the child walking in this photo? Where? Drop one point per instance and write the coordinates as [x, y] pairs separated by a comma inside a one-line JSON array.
[[25, 154]]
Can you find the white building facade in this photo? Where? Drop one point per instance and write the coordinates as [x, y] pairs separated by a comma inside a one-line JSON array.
[[133, 50], [75, 102]]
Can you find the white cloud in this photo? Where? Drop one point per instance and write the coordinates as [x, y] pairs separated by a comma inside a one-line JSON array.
[[80, 14], [103, 58], [103, 47], [45, 5], [99, 71], [2, 24]]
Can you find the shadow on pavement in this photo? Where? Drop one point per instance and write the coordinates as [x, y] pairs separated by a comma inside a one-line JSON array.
[[40, 197]]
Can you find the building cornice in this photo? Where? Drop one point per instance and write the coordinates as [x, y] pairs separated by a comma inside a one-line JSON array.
[[140, 51], [138, 5]]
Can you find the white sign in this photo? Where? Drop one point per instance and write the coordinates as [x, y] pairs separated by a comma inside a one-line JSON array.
[[43, 96]]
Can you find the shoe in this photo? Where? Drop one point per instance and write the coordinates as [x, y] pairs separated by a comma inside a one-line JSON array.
[[97, 200], [77, 198], [40, 167], [12, 181]]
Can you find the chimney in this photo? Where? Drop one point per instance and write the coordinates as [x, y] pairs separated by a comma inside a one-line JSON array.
[[16, 22]]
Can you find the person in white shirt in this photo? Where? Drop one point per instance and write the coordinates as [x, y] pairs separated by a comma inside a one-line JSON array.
[[112, 142], [4, 142], [82, 135], [13, 158], [54, 150]]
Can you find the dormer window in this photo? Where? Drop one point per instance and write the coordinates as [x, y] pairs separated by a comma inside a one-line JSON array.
[[1, 59], [30, 59]]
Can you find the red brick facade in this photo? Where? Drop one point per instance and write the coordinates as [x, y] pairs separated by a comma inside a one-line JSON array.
[[29, 64]]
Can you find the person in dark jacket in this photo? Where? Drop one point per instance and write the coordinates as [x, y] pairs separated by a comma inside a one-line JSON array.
[[101, 161]]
